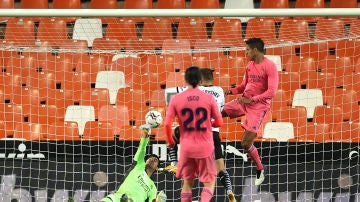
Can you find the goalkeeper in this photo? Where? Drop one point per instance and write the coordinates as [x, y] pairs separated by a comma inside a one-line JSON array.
[[137, 185], [207, 79]]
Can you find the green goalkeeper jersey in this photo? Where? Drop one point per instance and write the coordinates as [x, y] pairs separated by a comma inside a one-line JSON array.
[[138, 185]]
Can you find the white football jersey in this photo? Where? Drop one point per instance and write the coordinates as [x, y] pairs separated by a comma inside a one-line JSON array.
[[216, 91]]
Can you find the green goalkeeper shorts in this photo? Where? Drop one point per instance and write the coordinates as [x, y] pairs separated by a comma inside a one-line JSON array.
[[116, 198]]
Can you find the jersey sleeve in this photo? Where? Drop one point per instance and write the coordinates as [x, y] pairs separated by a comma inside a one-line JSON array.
[[141, 151], [273, 82], [240, 89], [218, 121], [170, 116], [152, 194]]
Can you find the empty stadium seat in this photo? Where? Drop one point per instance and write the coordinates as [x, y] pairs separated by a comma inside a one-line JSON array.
[[92, 64], [315, 132], [289, 81], [319, 80], [10, 115], [343, 4], [327, 114], [244, 4], [174, 4], [263, 28], [2, 130], [192, 29], [280, 100], [24, 4], [274, 4], [20, 31], [228, 31], [30, 131], [73, 44], [310, 4], [295, 115], [122, 30], [101, 44], [63, 130], [52, 30], [98, 131], [159, 63], [69, 4], [347, 100], [281, 131], [174, 79], [112, 80], [138, 4], [178, 45], [43, 114], [196, 4], [294, 31], [329, 29], [97, 97], [118, 115], [101, 4], [80, 114], [61, 98], [157, 98], [7, 4], [87, 29], [309, 98], [346, 132], [299, 64], [157, 29]]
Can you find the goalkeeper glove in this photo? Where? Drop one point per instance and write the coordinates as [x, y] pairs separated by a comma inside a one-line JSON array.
[[146, 127], [168, 169], [161, 197]]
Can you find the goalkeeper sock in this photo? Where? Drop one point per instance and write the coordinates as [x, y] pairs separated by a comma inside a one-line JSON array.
[[254, 155], [173, 155], [206, 194], [186, 196], [225, 180]]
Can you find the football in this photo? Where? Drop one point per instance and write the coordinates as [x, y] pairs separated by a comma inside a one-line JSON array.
[[153, 118]]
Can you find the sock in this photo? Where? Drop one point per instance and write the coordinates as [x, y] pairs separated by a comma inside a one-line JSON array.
[[186, 196], [225, 180], [206, 194], [254, 155], [173, 155]]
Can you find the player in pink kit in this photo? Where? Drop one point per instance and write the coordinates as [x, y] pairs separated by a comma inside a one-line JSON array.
[[195, 109], [258, 88]]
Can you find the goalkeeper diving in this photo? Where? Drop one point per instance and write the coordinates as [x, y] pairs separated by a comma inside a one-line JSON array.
[[138, 185]]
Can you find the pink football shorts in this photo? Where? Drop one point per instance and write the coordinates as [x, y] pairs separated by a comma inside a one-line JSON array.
[[254, 114], [190, 168]]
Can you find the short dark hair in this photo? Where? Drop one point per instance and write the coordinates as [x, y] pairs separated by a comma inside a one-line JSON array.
[[257, 43], [193, 76], [207, 74], [152, 155]]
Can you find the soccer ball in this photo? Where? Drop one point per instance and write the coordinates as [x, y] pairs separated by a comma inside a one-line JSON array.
[[153, 118]]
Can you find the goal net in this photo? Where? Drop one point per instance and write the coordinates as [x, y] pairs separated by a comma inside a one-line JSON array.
[[74, 91]]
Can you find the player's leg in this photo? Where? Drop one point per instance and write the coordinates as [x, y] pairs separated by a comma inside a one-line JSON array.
[[232, 109], [223, 175], [187, 171], [173, 153], [186, 191], [207, 166]]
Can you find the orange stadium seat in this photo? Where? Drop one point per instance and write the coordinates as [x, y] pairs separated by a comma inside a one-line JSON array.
[[61, 130], [52, 30], [128, 65], [141, 45], [69, 4], [289, 81], [347, 100], [29, 96], [40, 80], [329, 29], [211, 49], [118, 115], [196, 4], [20, 32], [346, 132], [34, 4], [201, 61], [263, 28], [312, 79], [106, 44], [98, 131], [61, 98], [265, 4], [92, 64], [192, 29], [310, 4], [43, 114], [174, 79], [175, 4], [327, 114], [295, 115], [157, 98], [7, 4], [231, 130], [315, 132], [235, 66], [159, 63], [181, 45], [101, 4], [157, 29], [121, 29], [138, 4], [73, 44], [30, 131], [76, 81], [354, 28], [299, 64], [294, 30], [280, 100], [97, 97], [343, 4], [2, 130], [20, 65], [11, 114], [228, 31]]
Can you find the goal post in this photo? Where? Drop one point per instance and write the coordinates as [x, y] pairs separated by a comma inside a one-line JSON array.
[[76, 85]]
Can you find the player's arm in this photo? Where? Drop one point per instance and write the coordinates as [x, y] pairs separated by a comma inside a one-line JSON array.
[[273, 82], [238, 89], [170, 115], [218, 120], [141, 151]]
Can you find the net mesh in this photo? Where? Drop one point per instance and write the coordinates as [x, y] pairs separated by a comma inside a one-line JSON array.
[[74, 91]]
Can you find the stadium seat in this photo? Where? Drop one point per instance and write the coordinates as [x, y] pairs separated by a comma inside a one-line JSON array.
[[157, 98], [20, 65], [309, 98], [101, 4], [69, 4], [327, 114], [347, 100], [87, 29], [63, 130], [170, 46], [174, 79], [346, 132], [11, 114], [138, 4], [43, 114], [30, 131], [228, 31], [289, 82], [310, 4], [231, 130], [294, 31], [319, 80], [2, 130], [97, 97], [244, 4], [329, 29], [75, 81], [281, 131], [73, 44], [315, 132], [92, 64], [98, 131], [80, 114], [192, 29], [129, 65], [201, 62], [122, 30], [295, 115], [274, 4], [263, 28], [29, 96], [20, 32], [299, 64], [211, 49], [118, 115], [159, 63], [235, 66], [280, 100], [343, 4], [135, 45], [61, 98], [157, 29], [7, 4], [51, 30], [103, 44], [153, 81], [174, 4], [112, 80], [131, 134], [40, 80], [196, 4], [24, 4]]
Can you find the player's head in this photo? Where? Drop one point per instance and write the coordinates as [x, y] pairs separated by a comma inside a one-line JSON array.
[[193, 76], [152, 162], [254, 48], [207, 75]]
